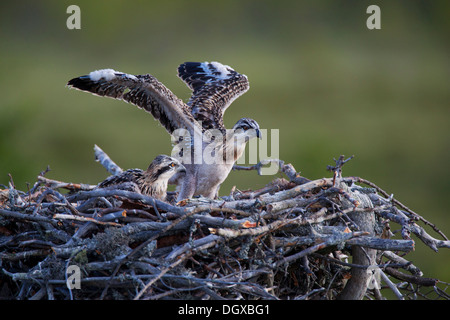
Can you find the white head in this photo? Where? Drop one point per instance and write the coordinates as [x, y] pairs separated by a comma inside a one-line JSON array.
[[247, 129]]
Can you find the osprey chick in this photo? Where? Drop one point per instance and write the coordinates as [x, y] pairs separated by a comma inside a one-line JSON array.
[[151, 182]]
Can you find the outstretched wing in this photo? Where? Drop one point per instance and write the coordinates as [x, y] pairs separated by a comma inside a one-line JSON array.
[[144, 91], [215, 86]]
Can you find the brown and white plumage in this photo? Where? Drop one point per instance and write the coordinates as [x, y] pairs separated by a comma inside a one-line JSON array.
[[151, 182], [144, 91], [215, 87]]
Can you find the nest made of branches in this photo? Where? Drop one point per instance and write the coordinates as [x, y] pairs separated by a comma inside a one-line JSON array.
[[331, 238]]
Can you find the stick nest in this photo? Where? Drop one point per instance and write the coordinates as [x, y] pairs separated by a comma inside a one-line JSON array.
[[331, 238]]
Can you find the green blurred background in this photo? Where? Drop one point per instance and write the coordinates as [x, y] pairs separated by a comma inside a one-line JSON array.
[[316, 72]]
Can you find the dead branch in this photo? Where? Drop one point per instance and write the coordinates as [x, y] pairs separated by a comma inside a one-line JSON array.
[[106, 162], [55, 184]]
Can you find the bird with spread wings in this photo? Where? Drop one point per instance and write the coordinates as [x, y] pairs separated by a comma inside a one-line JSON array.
[[214, 87]]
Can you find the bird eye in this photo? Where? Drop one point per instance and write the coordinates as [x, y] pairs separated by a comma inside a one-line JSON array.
[[172, 165]]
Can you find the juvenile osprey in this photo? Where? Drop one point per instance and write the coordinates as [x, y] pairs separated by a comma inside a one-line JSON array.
[[151, 182], [215, 87]]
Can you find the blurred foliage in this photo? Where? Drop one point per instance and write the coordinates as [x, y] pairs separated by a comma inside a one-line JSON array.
[[316, 72]]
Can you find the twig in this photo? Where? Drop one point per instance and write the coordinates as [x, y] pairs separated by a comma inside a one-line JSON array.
[[26, 217], [84, 219], [287, 169], [105, 161], [337, 168], [382, 244], [421, 281], [326, 242], [391, 285], [83, 195], [55, 184], [407, 265], [202, 243]]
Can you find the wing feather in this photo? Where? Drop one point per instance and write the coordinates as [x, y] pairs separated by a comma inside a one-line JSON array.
[[144, 91], [215, 86]]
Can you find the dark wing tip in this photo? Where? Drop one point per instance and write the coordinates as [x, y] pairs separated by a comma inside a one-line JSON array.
[[100, 87], [82, 83]]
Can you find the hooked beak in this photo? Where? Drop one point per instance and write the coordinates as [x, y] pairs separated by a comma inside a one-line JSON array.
[[181, 169], [258, 134]]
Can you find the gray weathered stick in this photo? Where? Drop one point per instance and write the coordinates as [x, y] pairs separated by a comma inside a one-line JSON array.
[[106, 162]]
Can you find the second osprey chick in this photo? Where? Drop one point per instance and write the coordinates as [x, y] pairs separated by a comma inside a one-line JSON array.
[[151, 182]]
